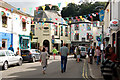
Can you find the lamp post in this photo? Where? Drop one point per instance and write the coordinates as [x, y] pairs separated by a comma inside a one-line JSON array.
[[101, 17]]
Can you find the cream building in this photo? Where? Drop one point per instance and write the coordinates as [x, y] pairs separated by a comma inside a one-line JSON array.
[[51, 30]]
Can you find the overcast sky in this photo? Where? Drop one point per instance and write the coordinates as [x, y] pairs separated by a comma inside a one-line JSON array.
[[35, 3]]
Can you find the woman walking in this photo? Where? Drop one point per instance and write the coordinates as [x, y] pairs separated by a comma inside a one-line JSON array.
[[97, 51], [43, 59], [78, 54]]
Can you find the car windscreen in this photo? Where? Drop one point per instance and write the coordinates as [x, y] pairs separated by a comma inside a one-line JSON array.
[[25, 51], [83, 49]]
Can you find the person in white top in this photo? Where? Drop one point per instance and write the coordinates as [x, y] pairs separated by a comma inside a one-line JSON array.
[[98, 53]]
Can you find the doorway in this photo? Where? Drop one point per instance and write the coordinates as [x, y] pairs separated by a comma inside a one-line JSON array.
[[46, 44]]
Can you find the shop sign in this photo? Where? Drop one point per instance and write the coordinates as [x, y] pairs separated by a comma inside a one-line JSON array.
[[114, 24]]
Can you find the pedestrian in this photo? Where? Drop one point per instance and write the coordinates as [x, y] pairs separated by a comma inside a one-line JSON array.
[[43, 59], [112, 56], [63, 53], [90, 54], [97, 52], [107, 51], [78, 54], [18, 52], [11, 48], [54, 52]]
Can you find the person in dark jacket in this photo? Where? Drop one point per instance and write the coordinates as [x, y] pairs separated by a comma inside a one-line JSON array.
[[91, 54], [107, 51], [11, 48]]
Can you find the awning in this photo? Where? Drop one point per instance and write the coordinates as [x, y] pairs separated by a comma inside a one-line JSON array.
[[57, 41], [34, 40], [68, 41]]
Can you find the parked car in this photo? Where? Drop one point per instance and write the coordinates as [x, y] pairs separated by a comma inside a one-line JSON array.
[[30, 55], [8, 58], [83, 51]]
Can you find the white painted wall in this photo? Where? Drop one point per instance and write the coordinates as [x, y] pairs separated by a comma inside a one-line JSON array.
[[15, 26], [81, 33]]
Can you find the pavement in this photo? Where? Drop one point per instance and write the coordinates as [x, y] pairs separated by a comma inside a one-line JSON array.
[[95, 72]]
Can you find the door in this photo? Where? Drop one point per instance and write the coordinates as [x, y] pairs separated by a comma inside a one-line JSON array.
[[14, 58]]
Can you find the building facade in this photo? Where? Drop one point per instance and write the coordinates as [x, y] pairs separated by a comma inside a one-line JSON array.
[[52, 30], [81, 33], [14, 27]]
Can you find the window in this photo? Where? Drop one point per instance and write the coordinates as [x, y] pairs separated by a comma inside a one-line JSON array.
[[55, 30], [83, 39], [46, 28], [24, 25], [76, 26], [33, 29], [87, 36], [88, 27], [66, 31], [76, 36], [4, 20], [61, 30]]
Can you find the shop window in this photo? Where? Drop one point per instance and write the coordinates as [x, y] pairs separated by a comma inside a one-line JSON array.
[[66, 31], [76, 36], [61, 30], [4, 20], [76, 26]]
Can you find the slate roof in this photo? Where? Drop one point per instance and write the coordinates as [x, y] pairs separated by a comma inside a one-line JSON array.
[[50, 16]]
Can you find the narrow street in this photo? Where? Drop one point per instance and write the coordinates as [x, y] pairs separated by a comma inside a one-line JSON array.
[[34, 70]]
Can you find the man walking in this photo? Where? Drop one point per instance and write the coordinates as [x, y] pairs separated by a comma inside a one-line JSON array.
[[11, 48], [91, 54], [63, 53]]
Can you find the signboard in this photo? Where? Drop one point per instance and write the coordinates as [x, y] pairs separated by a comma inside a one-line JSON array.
[[101, 15], [114, 24]]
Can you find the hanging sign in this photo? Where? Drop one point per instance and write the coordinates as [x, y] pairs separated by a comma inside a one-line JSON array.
[[114, 24]]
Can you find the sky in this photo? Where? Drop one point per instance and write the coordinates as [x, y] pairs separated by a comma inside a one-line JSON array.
[[27, 4]]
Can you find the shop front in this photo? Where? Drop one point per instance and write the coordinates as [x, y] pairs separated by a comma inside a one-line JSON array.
[[24, 42], [6, 39]]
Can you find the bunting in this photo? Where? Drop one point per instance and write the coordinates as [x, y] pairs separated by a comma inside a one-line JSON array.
[[43, 7]]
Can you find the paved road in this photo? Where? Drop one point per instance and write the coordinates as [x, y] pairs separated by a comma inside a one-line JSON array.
[[34, 70]]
